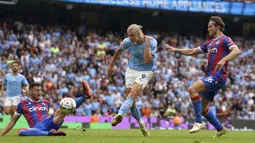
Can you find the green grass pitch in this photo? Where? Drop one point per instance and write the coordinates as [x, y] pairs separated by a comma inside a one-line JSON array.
[[134, 136]]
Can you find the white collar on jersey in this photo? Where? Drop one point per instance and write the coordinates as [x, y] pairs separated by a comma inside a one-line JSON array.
[[33, 100]]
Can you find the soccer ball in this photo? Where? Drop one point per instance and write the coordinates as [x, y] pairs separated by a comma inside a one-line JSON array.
[[67, 105]]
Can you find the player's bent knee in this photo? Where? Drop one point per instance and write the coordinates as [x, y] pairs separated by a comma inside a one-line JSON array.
[[191, 90], [197, 87], [134, 93], [137, 88], [7, 110]]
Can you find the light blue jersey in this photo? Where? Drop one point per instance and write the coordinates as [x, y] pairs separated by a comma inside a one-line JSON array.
[[13, 84], [136, 60]]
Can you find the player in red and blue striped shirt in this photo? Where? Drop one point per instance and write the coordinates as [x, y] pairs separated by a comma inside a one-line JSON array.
[[220, 49], [36, 113], [33, 111]]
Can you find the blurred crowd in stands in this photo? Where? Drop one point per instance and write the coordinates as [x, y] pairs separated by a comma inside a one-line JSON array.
[[61, 56]]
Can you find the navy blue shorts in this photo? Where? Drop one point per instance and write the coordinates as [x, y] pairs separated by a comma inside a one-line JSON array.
[[212, 87], [47, 124]]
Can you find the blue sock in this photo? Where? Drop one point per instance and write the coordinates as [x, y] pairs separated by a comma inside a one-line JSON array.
[[79, 101], [212, 119], [197, 105], [33, 132], [126, 105], [135, 113]]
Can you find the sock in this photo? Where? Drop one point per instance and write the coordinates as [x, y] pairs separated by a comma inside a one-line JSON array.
[[79, 101], [197, 105], [212, 119], [126, 105], [136, 113], [33, 132]]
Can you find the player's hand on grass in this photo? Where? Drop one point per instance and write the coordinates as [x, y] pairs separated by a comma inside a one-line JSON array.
[[219, 65], [169, 48]]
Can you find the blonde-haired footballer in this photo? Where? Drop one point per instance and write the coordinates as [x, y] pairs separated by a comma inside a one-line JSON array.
[[141, 66]]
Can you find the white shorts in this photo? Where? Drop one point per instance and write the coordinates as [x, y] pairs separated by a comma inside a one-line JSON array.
[[12, 101], [140, 77]]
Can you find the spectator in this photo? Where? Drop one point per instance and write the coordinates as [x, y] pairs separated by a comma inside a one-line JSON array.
[[55, 57]]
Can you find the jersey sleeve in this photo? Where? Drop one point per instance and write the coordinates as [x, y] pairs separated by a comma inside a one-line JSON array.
[[125, 44], [203, 48], [19, 109], [153, 46], [229, 43], [24, 81]]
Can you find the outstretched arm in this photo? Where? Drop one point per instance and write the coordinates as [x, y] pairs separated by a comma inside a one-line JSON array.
[[115, 56], [114, 59], [188, 52], [10, 125]]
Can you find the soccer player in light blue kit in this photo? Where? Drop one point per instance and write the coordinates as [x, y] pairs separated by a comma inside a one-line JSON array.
[[141, 66], [13, 83]]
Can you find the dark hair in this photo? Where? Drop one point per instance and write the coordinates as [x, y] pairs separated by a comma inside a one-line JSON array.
[[219, 22], [34, 84]]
